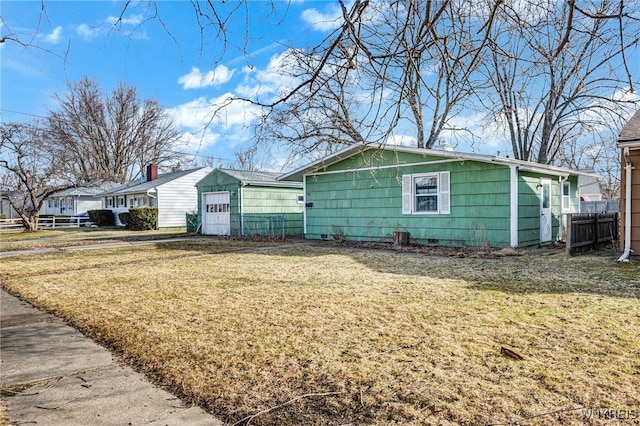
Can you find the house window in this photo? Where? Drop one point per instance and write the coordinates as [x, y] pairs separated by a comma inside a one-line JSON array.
[[426, 193], [566, 196], [121, 202], [217, 208]]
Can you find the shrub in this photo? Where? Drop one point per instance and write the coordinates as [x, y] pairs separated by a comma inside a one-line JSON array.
[[102, 217], [3, 216], [124, 218], [141, 219]]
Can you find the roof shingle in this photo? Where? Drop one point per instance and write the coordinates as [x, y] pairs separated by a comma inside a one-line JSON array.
[[630, 134]]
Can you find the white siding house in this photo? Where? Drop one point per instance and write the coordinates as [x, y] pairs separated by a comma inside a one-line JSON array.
[[75, 201], [173, 194]]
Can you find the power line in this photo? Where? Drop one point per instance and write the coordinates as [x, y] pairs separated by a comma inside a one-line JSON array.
[[22, 113], [196, 154]]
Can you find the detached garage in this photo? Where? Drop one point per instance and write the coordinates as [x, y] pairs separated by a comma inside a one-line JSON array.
[[249, 203]]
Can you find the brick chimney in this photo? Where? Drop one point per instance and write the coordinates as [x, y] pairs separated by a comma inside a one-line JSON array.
[[152, 172]]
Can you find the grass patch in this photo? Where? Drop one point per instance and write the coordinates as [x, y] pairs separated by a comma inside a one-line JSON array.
[[10, 241], [315, 335]]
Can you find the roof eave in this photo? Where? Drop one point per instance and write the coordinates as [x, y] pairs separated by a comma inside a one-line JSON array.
[[631, 143], [288, 184], [349, 151]]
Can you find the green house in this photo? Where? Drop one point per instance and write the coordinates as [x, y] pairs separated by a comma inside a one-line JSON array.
[[249, 203], [440, 197]]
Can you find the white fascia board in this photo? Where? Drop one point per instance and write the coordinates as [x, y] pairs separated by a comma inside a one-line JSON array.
[[288, 184]]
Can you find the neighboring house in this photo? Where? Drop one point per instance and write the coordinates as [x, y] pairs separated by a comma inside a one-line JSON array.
[[75, 201], [629, 143], [589, 186], [173, 194], [244, 203], [6, 210], [440, 197]]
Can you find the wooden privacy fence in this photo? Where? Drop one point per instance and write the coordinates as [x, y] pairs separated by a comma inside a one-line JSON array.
[[590, 230]]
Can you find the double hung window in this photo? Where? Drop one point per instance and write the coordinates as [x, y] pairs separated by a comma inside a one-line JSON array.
[[426, 193]]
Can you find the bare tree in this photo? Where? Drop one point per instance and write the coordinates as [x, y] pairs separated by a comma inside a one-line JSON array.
[[553, 71], [33, 170], [247, 159], [394, 72], [111, 136]]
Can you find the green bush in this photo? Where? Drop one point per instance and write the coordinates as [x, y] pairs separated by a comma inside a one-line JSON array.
[[124, 218], [141, 219], [3, 216], [102, 217]]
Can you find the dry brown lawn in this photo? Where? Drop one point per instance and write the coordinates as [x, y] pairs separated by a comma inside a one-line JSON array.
[[328, 335], [58, 238]]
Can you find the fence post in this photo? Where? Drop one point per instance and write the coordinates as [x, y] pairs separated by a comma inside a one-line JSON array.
[[569, 233], [596, 231]]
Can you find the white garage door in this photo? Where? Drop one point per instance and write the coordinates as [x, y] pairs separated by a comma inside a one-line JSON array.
[[216, 217]]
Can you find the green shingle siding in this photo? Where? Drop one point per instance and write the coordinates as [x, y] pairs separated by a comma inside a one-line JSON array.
[[367, 205], [256, 203]]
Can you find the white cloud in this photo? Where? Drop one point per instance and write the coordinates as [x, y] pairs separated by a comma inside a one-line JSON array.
[[402, 140], [197, 79], [275, 78], [89, 32], [86, 31], [323, 21], [55, 36], [206, 121], [195, 141], [132, 20]]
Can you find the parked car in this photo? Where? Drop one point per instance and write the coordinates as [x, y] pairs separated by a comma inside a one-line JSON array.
[[81, 219]]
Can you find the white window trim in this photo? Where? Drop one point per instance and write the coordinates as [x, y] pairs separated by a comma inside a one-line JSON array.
[[566, 198], [409, 193]]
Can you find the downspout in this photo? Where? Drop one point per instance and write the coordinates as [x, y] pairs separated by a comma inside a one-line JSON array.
[[513, 213], [156, 203], [627, 208], [304, 210], [240, 201], [561, 181]]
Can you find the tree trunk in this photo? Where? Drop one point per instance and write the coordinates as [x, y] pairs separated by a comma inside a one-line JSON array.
[[400, 239]]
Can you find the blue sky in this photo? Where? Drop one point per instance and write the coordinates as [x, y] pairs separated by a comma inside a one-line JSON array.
[[165, 59], [161, 53]]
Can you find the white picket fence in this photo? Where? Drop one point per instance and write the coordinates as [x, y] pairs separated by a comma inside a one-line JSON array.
[[44, 222]]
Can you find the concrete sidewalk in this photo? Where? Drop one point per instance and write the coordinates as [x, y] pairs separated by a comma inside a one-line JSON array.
[[57, 376]]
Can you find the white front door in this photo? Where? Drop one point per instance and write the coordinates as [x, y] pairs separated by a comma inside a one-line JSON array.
[[216, 215], [545, 211]]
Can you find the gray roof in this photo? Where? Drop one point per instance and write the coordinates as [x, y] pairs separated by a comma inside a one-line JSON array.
[[87, 190], [249, 177], [142, 185], [630, 134]]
